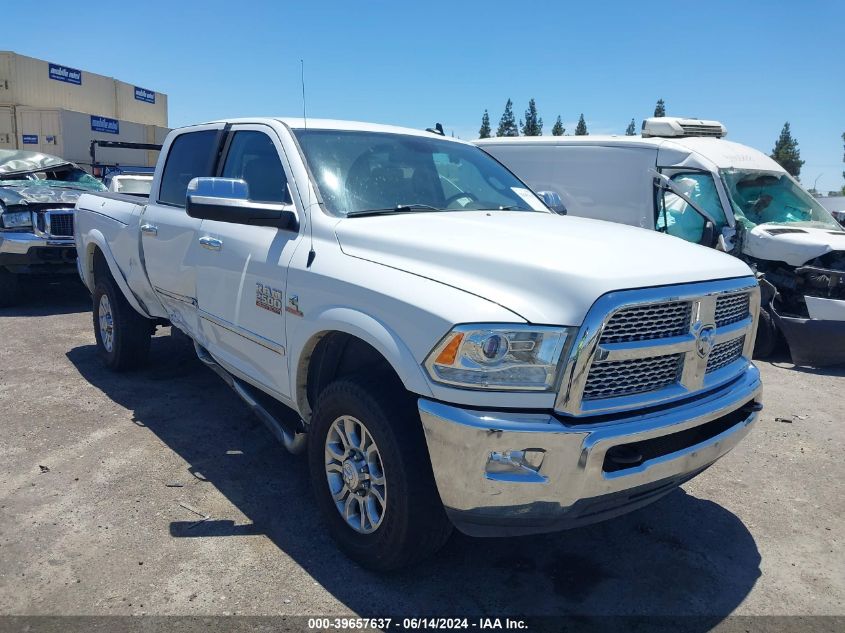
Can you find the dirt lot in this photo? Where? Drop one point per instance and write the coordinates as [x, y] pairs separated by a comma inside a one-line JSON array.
[[103, 478]]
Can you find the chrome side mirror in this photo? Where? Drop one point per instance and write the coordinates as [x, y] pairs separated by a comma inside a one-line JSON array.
[[227, 188], [227, 200], [553, 201]]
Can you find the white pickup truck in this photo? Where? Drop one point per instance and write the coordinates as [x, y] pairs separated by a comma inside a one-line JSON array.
[[453, 352]]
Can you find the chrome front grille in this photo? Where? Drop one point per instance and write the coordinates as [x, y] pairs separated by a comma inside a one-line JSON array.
[[725, 353], [731, 308], [628, 377], [643, 323], [643, 347], [60, 224]]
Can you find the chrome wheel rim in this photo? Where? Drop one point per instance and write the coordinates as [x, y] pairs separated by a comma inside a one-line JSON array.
[[106, 323], [355, 474]]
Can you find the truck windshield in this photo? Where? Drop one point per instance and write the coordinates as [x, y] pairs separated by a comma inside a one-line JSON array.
[[358, 172], [770, 197]]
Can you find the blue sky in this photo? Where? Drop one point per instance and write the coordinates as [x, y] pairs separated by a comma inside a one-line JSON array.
[[752, 65]]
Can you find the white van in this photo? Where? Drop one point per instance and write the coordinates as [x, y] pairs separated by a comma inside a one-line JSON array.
[[683, 178]]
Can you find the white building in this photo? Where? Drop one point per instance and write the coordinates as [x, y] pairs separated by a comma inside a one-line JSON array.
[[56, 109]]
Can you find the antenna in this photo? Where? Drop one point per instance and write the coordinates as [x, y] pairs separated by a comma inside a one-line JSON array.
[[302, 79], [311, 253]]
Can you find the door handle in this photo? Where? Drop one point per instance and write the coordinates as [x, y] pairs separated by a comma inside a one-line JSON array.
[[211, 243], [149, 229]]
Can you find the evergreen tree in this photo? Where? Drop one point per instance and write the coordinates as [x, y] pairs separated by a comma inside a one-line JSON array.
[[533, 125], [786, 153], [507, 124], [484, 132], [557, 128], [581, 128], [660, 108], [631, 130]]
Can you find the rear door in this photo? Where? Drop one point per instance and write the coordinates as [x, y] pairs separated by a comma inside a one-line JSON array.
[[168, 234], [242, 269]]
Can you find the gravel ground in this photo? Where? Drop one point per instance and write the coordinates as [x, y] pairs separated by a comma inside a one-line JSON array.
[[104, 477]]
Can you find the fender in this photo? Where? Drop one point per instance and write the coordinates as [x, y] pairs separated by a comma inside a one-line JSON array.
[[367, 328], [96, 238]]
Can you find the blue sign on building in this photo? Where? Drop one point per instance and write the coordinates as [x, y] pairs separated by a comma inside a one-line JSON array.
[[66, 74], [147, 96], [104, 124], [30, 139]]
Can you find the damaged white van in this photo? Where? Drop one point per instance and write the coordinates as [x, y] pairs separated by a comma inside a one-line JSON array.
[[683, 178]]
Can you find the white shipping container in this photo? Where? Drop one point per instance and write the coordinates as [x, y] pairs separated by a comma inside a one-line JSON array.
[[7, 128], [36, 83], [68, 134]]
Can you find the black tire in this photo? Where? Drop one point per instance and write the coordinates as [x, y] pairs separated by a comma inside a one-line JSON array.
[[130, 334], [10, 288], [767, 335], [414, 524]]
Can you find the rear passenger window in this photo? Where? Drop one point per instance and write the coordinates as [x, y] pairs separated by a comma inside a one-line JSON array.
[[252, 157], [188, 158]]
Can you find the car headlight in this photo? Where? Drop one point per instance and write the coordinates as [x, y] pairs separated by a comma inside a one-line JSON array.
[[15, 219], [499, 357]]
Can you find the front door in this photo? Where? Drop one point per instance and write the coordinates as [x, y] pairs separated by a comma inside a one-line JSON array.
[[168, 234], [242, 269]]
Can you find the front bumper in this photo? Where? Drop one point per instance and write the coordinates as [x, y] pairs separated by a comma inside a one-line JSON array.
[[813, 342], [505, 473], [26, 252]]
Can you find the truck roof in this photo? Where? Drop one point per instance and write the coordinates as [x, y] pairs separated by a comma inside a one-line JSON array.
[[722, 153], [298, 123]]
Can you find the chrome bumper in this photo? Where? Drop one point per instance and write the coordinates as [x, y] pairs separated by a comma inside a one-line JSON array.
[[20, 243], [520, 473]]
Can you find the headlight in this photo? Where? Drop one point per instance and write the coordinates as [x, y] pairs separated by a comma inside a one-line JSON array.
[[499, 357], [15, 219]]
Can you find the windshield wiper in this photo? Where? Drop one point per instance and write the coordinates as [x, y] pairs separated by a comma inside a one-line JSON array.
[[399, 208]]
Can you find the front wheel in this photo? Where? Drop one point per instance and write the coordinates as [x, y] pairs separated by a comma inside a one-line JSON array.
[[123, 335], [372, 477], [767, 335]]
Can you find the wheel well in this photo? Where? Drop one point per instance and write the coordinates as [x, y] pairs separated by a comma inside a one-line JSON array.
[[335, 355], [100, 267]]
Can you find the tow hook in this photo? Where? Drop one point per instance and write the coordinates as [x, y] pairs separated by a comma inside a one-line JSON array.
[[625, 456]]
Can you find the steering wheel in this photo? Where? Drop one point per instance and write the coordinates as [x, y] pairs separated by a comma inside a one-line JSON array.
[[458, 196]]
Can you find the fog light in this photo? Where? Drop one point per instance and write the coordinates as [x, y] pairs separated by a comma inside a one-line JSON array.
[[516, 465]]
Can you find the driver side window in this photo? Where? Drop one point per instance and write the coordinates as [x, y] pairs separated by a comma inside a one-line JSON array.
[[676, 217]]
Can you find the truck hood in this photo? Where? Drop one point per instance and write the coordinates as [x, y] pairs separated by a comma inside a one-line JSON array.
[[794, 244], [29, 192], [547, 268]]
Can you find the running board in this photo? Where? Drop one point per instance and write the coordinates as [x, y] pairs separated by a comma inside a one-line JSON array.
[[282, 421]]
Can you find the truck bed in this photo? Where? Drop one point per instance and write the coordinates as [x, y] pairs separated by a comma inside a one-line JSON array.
[[134, 198]]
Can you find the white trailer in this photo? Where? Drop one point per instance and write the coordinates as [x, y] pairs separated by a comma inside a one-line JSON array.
[[69, 134]]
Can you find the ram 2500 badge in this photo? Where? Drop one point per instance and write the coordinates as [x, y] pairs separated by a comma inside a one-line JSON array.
[[447, 350]]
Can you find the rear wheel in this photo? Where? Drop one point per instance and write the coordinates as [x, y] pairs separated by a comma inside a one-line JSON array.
[[371, 474], [123, 335], [10, 288]]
